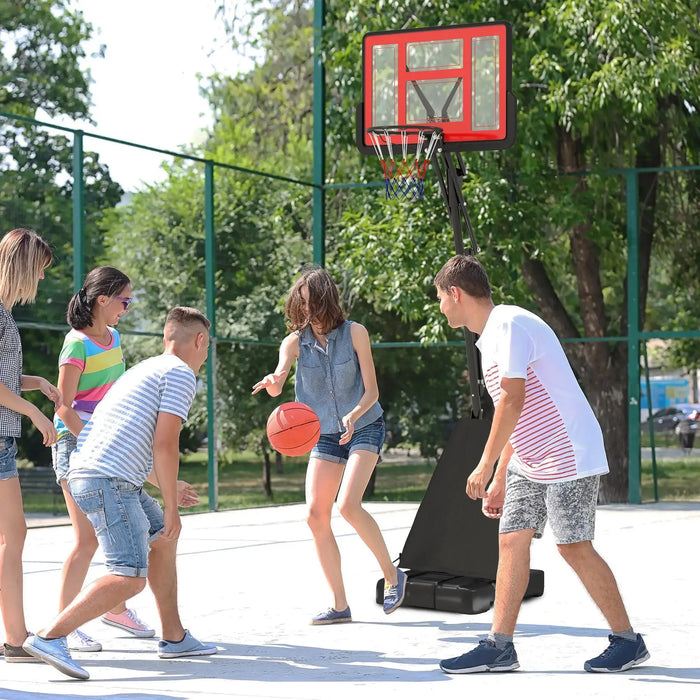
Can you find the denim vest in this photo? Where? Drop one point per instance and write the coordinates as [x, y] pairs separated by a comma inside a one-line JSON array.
[[330, 380]]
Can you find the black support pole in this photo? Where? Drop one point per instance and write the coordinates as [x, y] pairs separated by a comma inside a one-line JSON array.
[[450, 181]]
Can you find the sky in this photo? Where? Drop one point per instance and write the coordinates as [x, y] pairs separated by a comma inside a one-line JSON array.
[[145, 89]]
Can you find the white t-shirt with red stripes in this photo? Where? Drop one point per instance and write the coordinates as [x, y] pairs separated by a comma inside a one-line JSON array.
[[557, 437]]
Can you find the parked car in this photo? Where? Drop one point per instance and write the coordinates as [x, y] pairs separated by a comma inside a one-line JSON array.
[[666, 419]]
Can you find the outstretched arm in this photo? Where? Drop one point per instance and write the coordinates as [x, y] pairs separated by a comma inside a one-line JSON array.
[[186, 495], [274, 382], [19, 405], [31, 383]]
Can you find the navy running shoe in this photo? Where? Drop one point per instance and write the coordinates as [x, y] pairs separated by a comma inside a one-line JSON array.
[[620, 655], [484, 657]]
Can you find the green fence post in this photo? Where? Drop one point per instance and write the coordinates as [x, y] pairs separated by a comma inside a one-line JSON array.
[[209, 273], [633, 337], [319, 139], [78, 212], [650, 422]]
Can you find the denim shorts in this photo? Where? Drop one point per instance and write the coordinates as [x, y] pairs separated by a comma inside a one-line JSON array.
[[370, 438], [126, 519], [60, 455], [568, 505], [8, 463]]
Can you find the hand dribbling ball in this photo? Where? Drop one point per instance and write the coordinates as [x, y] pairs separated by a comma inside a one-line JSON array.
[[293, 429]]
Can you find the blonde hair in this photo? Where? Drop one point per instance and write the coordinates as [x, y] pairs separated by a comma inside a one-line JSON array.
[[23, 257]]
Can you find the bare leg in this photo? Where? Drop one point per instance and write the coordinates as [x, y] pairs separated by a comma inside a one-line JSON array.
[[99, 597], [77, 564], [511, 579], [322, 482], [162, 578], [599, 581], [357, 473], [13, 531]]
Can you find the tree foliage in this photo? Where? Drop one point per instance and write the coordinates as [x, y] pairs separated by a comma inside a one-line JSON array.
[[600, 84], [41, 49]]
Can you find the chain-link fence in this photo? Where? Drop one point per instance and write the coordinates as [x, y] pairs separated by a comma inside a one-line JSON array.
[[184, 243]]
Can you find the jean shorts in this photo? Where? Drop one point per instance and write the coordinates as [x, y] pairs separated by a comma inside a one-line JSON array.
[[60, 455], [126, 519], [8, 462], [568, 505], [370, 438]]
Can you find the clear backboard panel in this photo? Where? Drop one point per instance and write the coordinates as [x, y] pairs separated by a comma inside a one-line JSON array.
[[457, 78]]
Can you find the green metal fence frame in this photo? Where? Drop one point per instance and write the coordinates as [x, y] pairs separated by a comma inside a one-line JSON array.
[[635, 336]]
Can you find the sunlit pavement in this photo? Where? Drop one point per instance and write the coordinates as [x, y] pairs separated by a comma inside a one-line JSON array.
[[249, 582]]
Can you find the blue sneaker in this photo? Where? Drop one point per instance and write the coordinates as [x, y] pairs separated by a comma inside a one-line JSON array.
[[620, 655], [55, 652], [331, 616], [394, 595], [188, 646], [485, 657]]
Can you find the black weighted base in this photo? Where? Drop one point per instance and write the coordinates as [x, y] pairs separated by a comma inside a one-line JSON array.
[[463, 594]]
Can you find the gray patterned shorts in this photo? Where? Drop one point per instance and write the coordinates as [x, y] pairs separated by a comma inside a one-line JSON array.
[[569, 506]]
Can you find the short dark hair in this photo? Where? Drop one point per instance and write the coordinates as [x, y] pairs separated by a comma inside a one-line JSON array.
[[324, 302], [467, 273], [187, 316], [101, 281]]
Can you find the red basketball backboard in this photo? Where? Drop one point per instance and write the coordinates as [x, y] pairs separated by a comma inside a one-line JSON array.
[[457, 78]]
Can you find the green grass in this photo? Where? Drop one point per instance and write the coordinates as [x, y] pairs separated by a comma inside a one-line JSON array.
[[665, 439], [240, 482], [677, 479]]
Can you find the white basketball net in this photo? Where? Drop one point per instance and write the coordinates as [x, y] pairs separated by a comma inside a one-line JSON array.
[[404, 179]]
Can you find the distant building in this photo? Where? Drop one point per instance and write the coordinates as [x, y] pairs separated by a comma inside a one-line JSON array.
[[665, 391]]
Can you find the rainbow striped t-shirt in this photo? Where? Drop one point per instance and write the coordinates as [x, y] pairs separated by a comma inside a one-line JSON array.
[[100, 366]]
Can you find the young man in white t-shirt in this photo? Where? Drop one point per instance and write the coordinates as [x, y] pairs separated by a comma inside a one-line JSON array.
[[133, 436], [550, 454]]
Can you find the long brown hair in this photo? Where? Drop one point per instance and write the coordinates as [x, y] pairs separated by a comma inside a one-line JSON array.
[[24, 255], [324, 302]]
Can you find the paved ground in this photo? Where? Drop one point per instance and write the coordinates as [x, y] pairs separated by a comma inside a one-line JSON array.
[[249, 582]]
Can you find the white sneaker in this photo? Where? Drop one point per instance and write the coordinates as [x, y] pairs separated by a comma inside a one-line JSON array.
[[79, 641]]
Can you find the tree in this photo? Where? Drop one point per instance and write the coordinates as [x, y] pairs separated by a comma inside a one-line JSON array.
[[600, 84], [41, 46]]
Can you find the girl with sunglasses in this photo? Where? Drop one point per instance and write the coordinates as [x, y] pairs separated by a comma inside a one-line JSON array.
[[90, 362]]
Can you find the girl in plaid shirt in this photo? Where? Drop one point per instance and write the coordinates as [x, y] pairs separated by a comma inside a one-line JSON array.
[[23, 258]]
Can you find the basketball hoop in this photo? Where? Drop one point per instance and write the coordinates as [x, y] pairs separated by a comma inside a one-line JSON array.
[[404, 179]]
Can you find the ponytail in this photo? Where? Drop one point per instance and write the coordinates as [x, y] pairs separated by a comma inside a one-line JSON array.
[[102, 281], [79, 313]]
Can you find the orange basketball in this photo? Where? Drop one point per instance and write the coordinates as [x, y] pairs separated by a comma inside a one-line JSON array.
[[293, 429]]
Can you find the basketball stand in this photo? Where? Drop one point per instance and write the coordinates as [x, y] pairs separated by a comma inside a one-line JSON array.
[[428, 95]]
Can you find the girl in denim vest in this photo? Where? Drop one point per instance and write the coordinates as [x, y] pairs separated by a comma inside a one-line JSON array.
[[335, 376]]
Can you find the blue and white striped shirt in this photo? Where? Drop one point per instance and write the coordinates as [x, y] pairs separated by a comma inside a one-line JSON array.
[[118, 440]]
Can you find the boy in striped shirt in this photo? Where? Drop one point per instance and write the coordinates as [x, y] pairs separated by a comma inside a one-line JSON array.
[[550, 454], [132, 437]]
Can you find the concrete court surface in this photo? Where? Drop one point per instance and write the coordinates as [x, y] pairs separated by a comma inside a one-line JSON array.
[[249, 581]]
